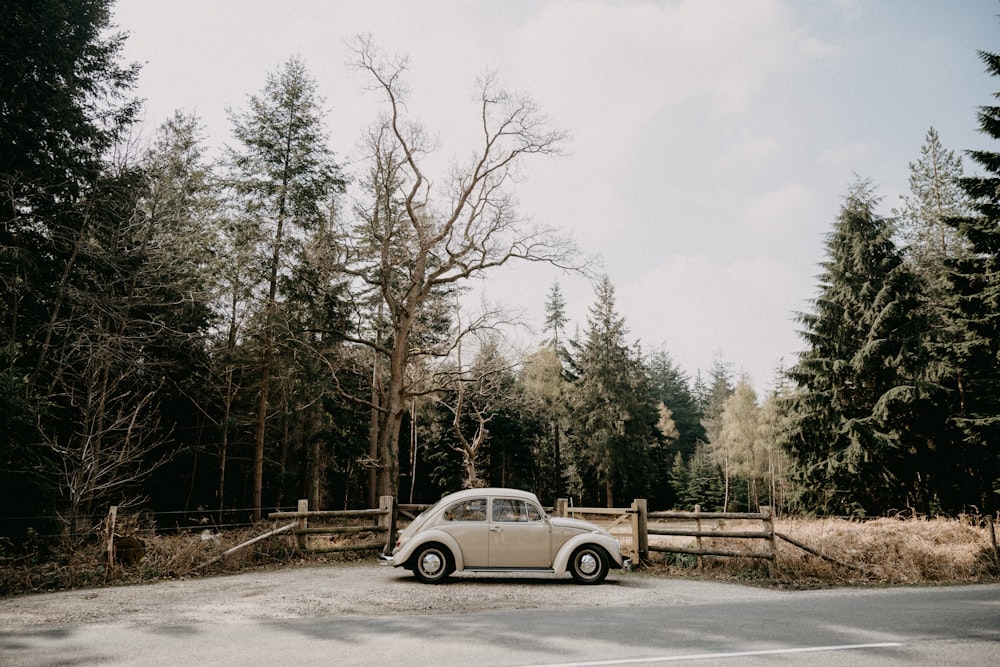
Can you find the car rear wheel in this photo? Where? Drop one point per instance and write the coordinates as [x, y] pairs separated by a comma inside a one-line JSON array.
[[432, 564], [589, 564]]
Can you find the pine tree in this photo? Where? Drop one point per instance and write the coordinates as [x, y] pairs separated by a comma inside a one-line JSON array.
[[712, 401], [669, 387], [704, 483], [284, 175], [64, 105], [935, 196], [614, 415], [556, 386], [972, 341], [555, 317], [860, 434]]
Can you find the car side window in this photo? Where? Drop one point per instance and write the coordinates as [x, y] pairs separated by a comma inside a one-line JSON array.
[[510, 510], [473, 509]]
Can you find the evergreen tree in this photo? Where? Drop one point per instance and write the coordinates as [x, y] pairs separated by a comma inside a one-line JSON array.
[[64, 104], [670, 385], [712, 399], [864, 418], [546, 384], [704, 482], [972, 339], [177, 245], [284, 175], [935, 196], [615, 419], [555, 317]]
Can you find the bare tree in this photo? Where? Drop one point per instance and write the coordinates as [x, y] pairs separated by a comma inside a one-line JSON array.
[[421, 243]]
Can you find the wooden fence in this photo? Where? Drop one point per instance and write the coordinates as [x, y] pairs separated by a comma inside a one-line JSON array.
[[707, 528], [626, 524], [632, 526], [316, 523]]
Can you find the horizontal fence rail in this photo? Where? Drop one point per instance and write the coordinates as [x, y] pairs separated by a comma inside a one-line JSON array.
[[693, 525], [381, 523]]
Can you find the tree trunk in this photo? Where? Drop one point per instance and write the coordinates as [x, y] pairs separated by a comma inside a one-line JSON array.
[[265, 371], [258, 451], [374, 434]]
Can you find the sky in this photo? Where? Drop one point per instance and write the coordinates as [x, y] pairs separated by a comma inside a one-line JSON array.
[[711, 142]]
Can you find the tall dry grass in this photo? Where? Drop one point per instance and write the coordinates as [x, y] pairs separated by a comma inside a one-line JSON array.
[[882, 551]]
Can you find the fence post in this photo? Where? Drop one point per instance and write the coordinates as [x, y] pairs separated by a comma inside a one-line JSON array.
[[640, 529], [697, 527], [112, 520], [388, 521], [560, 508], [303, 507], [993, 534], [769, 528]]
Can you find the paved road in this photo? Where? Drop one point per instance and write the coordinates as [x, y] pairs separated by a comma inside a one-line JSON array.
[[696, 623]]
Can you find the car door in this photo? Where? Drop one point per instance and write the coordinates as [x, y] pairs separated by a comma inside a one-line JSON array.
[[466, 521], [519, 535]]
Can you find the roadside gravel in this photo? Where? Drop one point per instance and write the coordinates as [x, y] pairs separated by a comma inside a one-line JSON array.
[[347, 589]]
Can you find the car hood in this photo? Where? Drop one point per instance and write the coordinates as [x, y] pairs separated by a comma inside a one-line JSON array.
[[584, 526]]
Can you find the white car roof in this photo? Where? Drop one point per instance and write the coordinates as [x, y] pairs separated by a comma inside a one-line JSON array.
[[490, 491]]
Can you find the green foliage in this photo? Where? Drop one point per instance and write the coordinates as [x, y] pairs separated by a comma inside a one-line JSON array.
[[970, 343], [699, 482], [671, 386], [64, 96], [614, 419], [863, 375]]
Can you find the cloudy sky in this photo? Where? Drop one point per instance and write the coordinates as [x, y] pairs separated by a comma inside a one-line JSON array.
[[712, 140]]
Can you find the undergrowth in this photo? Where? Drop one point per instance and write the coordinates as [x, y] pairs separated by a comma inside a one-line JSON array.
[[173, 556]]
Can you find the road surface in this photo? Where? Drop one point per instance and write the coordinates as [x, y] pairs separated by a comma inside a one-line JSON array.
[[366, 615]]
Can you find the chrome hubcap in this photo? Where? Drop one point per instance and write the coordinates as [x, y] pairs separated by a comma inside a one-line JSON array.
[[588, 564], [430, 563]]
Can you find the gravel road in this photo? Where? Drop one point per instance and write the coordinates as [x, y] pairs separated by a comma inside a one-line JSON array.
[[353, 589]]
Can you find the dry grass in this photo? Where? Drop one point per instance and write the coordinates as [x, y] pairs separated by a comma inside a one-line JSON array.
[[875, 552], [174, 556]]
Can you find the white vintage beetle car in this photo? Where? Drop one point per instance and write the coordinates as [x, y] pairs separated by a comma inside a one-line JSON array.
[[502, 530]]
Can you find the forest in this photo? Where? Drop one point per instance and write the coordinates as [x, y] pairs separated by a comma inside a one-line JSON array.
[[208, 340]]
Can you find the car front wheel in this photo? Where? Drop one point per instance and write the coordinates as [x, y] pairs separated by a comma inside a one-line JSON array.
[[589, 565], [432, 564]]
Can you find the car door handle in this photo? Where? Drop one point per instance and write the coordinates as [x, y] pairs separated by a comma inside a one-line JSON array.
[[496, 529]]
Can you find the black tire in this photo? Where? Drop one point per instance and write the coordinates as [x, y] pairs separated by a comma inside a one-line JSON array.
[[589, 564], [432, 563]]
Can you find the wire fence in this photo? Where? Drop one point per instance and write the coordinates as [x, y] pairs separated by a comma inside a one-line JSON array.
[[144, 521]]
